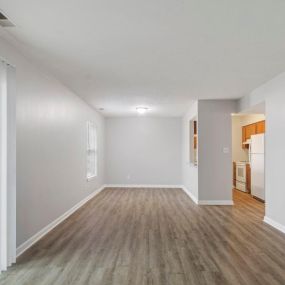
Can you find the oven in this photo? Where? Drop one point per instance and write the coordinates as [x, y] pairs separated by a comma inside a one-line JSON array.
[[241, 176], [241, 172]]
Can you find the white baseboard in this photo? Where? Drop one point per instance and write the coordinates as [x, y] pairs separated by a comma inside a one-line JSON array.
[[141, 186], [274, 224], [216, 202], [192, 197], [31, 241], [207, 202]]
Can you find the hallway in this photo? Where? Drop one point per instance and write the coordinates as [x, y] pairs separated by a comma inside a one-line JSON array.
[[158, 237]]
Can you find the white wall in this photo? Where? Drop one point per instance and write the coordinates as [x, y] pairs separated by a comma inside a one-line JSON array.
[[238, 153], [143, 150], [215, 134], [251, 119], [189, 170], [51, 147], [247, 102], [273, 94]]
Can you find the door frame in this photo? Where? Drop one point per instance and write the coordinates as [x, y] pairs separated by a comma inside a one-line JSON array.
[[7, 165]]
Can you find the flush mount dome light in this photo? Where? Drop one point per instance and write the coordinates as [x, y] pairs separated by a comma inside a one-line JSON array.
[[142, 110]]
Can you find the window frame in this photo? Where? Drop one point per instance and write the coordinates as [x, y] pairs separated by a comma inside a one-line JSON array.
[[91, 151]]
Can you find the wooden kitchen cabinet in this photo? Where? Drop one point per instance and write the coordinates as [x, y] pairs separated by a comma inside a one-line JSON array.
[[244, 133], [195, 135], [248, 178], [252, 129], [193, 145], [195, 142], [243, 137], [234, 175], [195, 127], [249, 131], [260, 127]]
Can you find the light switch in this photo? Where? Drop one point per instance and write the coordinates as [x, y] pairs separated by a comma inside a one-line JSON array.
[[226, 150]]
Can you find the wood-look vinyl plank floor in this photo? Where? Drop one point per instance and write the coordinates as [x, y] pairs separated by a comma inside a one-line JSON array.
[[156, 237]]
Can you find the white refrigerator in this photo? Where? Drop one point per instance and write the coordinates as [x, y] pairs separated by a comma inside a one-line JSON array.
[[257, 166]]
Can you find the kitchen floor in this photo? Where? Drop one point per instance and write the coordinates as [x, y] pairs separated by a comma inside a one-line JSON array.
[[248, 201]]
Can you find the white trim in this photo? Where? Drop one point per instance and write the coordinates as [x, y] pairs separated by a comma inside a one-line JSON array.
[[216, 202], [207, 202], [11, 164], [192, 197], [142, 186], [91, 150], [31, 241], [274, 224], [3, 169]]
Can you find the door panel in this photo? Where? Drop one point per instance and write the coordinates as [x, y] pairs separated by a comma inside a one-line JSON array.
[[257, 144]]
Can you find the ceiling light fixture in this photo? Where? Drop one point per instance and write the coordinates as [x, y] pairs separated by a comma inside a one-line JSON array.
[[142, 110]]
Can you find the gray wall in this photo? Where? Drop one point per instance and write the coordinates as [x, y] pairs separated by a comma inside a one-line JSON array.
[[143, 150], [273, 94], [214, 134], [189, 170], [51, 147]]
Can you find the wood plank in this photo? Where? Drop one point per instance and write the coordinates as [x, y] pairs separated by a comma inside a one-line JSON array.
[[248, 178], [156, 236]]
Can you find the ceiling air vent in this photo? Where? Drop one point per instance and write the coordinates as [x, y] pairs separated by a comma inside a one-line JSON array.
[[4, 22]]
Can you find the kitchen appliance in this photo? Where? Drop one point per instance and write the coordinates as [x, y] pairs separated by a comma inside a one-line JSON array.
[[241, 176], [257, 166]]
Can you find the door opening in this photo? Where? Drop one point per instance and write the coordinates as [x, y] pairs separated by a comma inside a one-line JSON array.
[[248, 152]]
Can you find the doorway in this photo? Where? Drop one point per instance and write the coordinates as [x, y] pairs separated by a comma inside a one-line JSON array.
[[248, 152]]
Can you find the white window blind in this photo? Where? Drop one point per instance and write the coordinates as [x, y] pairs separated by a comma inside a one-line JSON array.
[[91, 150]]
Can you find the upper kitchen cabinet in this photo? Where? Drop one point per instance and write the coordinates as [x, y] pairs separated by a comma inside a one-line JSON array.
[[252, 129], [249, 131], [260, 127]]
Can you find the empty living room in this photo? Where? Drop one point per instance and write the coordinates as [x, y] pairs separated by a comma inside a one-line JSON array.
[[142, 142]]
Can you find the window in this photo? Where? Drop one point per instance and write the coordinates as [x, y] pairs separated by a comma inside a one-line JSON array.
[[91, 150]]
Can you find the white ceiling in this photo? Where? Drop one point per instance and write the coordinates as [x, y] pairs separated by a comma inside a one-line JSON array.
[[119, 54]]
